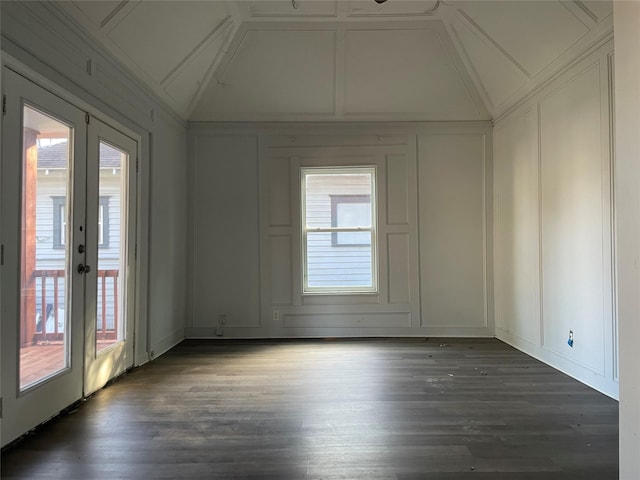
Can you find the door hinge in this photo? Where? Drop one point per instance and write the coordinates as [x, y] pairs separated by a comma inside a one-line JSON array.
[[88, 118], [1, 255], [4, 104], [137, 165], [1, 402], [135, 252]]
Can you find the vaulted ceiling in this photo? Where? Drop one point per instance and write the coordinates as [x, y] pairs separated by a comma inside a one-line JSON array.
[[288, 60]]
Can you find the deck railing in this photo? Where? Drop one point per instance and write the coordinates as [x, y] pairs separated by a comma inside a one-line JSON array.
[[50, 320]]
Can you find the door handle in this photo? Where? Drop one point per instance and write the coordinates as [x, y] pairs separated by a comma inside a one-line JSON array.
[[83, 268]]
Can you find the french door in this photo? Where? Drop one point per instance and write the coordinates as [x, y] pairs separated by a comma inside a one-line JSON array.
[[109, 303], [67, 223]]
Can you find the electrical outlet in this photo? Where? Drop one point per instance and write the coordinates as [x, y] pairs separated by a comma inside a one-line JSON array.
[[219, 332], [276, 315], [222, 319]]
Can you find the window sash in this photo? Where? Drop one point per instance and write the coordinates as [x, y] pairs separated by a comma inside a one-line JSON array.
[[339, 229], [305, 230]]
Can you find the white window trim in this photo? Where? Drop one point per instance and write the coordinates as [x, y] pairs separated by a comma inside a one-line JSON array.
[[337, 290]]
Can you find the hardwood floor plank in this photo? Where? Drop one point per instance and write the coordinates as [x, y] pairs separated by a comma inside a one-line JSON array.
[[400, 409]]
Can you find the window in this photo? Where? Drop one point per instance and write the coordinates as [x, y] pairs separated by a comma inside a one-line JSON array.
[[349, 210], [60, 222], [339, 230]]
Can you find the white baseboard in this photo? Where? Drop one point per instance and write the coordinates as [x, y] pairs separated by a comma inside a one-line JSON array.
[[584, 375], [163, 346], [234, 332]]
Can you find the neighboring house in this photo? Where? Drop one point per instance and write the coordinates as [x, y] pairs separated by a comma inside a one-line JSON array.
[[51, 234]]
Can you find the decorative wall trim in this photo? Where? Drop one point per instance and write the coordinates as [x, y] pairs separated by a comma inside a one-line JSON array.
[[614, 228], [347, 320], [605, 378], [335, 144], [603, 40]]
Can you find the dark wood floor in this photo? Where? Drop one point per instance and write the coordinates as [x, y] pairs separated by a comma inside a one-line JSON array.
[[342, 409]]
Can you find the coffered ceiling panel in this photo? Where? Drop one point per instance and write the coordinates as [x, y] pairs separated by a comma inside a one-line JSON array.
[[391, 8], [158, 36], [289, 8], [187, 83], [342, 59], [405, 72], [499, 78], [273, 73], [598, 9], [99, 12], [533, 33]]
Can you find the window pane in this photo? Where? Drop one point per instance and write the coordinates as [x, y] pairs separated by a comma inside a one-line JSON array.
[[346, 239], [44, 346], [352, 214], [109, 312], [324, 191], [343, 267]]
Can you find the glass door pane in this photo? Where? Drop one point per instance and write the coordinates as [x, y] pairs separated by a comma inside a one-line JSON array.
[[109, 301], [43, 197], [109, 311], [44, 253]]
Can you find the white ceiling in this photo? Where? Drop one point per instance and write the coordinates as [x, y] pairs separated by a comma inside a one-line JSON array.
[[287, 60]]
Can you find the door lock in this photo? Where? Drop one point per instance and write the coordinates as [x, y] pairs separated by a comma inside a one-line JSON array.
[[82, 268], [81, 248]]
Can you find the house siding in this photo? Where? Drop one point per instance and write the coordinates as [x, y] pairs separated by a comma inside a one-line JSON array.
[[52, 184]]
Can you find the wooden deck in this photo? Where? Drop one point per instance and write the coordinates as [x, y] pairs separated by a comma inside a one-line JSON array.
[[398, 409], [38, 361], [44, 359]]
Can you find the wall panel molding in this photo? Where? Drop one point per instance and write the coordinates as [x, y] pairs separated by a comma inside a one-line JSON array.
[[398, 261], [282, 150], [560, 140], [397, 192]]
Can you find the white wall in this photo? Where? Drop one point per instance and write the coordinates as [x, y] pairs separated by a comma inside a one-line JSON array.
[[452, 174], [167, 234], [224, 263], [627, 177], [46, 48], [553, 224], [432, 245]]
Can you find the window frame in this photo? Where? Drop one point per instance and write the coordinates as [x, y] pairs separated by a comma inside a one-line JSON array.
[[334, 230]]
